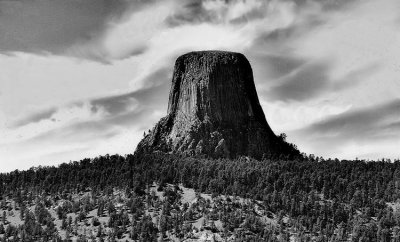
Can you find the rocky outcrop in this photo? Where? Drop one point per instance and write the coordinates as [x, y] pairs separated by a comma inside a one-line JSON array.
[[213, 110]]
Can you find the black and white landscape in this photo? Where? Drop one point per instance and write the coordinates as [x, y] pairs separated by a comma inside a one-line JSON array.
[[199, 120]]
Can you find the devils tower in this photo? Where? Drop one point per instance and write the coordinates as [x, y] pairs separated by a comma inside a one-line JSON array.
[[213, 110]]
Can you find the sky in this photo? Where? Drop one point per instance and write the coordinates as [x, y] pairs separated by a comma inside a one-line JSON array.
[[83, 78]]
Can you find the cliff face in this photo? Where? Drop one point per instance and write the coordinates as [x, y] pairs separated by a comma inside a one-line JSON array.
[[213, 110]]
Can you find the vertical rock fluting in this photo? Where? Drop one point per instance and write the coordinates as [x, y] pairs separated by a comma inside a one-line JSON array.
[[213, 110]]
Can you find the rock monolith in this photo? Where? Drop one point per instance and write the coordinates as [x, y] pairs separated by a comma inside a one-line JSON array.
[[213, 110]]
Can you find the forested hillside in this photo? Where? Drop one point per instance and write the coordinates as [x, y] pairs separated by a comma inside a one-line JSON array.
[[307, 199]]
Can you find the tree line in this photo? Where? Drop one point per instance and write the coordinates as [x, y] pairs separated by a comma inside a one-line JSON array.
[[331, 199]]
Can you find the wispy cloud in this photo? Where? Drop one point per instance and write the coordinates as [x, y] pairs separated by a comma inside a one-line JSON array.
[[371, 122], [372, 132], [35, 117], [304, 83], [273, 66], [86, 125], [121, 103], [300, 82]]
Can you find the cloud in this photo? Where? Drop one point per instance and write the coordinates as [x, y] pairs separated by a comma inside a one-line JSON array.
[[32, 82], [131, 35], [60, 118], [87, 124], [311, 60], [366, 122], [35, 117], [296, 80], [234, 12], [189, 13], [372, 132], [76, 28], [82, 131], [104, 30], [114, 104], [301, 84], [99, 114], [355, 77], [245, 11], [80, 138], [51, 26], [154, 83], [272, 66]]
